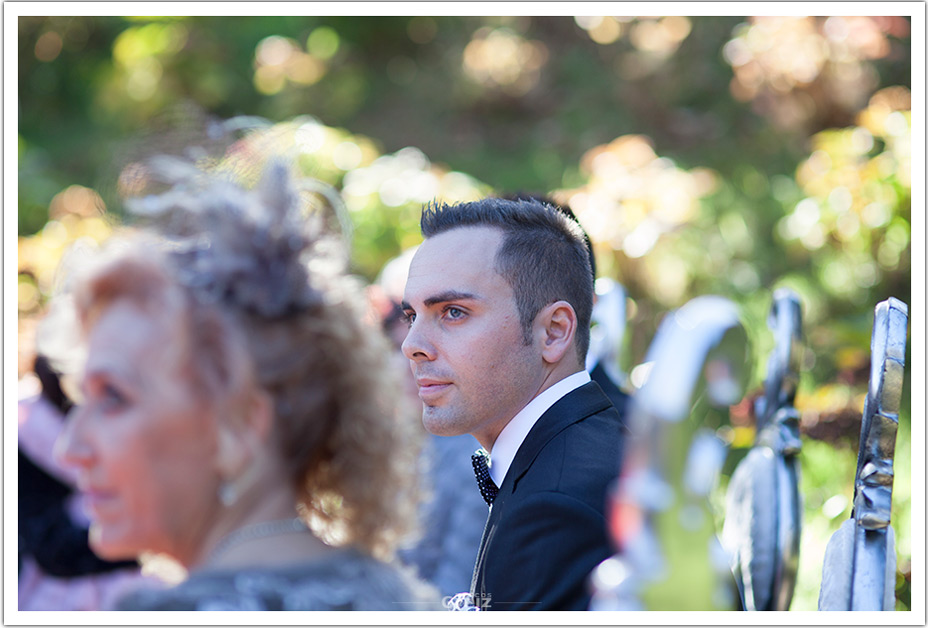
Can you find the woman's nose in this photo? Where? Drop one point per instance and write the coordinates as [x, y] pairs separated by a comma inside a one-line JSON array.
[[72, 448]]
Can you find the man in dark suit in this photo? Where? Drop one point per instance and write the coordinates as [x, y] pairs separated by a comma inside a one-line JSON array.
[[499, 298]]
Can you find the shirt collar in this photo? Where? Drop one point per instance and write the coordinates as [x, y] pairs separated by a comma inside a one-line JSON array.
[[510, 439]]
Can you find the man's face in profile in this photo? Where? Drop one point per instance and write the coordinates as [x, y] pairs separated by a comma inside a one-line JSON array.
[[473, 369]]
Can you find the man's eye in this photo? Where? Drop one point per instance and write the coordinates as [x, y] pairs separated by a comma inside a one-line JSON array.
[[409, 317], [454, 313]]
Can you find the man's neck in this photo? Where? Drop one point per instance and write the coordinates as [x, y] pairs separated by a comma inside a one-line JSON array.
[[510, 439], [556, 374], [561, 371]]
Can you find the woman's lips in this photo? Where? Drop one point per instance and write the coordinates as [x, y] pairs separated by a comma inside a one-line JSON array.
[[95, 501]]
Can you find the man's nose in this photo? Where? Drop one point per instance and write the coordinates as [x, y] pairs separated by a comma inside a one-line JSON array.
[[417, 345]]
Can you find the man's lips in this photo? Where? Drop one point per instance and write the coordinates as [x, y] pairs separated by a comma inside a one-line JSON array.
[[430, 388]]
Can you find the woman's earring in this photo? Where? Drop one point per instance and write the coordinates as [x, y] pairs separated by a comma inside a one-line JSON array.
[[228, 494], [230, 491]]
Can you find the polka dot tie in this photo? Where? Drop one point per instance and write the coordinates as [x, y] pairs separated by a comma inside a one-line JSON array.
[[488, 488]]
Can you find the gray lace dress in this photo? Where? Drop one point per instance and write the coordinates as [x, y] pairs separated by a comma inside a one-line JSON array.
[[344, 580]]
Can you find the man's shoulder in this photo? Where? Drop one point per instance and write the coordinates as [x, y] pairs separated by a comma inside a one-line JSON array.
[[592, 443], [580, 461], [592, 415], [619, 398]]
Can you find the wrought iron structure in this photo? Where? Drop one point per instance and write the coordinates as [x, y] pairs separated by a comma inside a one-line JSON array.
[[608, 330], [763, 518], [860, 561], [669, 557]]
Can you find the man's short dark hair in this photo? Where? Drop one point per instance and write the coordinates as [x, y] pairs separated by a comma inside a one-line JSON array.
[[543, 255], [564, 209]]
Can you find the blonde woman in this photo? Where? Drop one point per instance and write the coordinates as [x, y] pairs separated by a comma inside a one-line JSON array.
[[238, 414]]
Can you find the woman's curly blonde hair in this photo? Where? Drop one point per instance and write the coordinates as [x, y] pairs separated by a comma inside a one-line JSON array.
[[260, 277]]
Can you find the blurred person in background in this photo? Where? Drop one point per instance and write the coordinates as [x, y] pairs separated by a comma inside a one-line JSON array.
[[236, 411], [453, 513]]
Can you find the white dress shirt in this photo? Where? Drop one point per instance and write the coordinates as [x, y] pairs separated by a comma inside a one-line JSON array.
[[510, 439]]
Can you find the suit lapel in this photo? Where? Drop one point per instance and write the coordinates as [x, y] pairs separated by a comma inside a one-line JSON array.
[[569, 409], [477, 582]]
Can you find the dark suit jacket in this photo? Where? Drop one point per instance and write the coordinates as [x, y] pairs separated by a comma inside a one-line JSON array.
[[618, 398], [547, 529]]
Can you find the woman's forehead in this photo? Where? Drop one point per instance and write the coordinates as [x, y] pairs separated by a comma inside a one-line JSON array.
[[124, 332]]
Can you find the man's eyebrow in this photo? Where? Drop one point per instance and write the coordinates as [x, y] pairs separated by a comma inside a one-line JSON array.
[[444, 297]]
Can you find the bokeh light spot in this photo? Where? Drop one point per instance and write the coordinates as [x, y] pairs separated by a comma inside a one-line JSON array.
[[346, 156], [269, 80], [48, 46], [27, 294], [310, 137], [606, 31], [323, 42], [144, 78], [422, 30], [500, 58], [586, 22], [273, 50], [305, 69]]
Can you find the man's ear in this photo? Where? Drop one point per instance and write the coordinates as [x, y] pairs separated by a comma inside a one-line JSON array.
[[557, 325]]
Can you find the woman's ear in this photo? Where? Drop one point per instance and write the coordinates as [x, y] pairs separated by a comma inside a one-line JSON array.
[[232, 455], [260, 415], [242, 446], [241, 433], [557, 325]]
